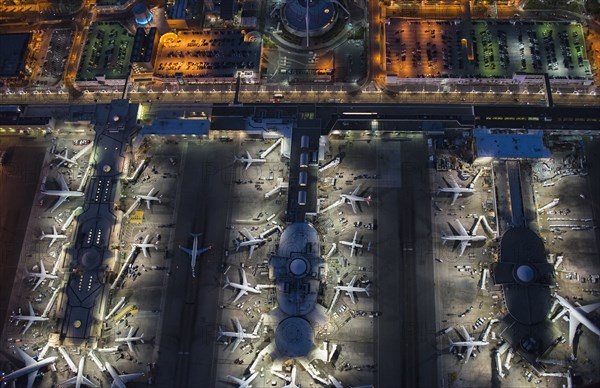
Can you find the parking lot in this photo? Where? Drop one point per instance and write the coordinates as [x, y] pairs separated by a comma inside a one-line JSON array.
[[54, 63], [107, 52], [207, 54], [418, 49]]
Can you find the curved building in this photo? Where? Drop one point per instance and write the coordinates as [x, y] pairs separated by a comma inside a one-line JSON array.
[[141, 14], [525, 275], [309, 17]]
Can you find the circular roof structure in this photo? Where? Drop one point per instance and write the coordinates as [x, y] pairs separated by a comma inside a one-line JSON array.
[[299, 238], [89, 259], [322, 14], [524, 273], [298, 266], [294, 337]]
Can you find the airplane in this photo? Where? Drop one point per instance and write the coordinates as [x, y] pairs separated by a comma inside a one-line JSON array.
[[249, 160], [291, 381], [350, 289], [353, 245], [42, 275], [195, 252], [119, 381], [335, 382], [455, 189], [73, 160], [353, 198], [62, 194], [243, 383], [29, 318], [244, 287], [463, 238], [577, 315], [239, 335], [250, 241], [145, 245], [80, 379], [30, 369], [130, 339], [148, 197], [469, 343], [54, 236]]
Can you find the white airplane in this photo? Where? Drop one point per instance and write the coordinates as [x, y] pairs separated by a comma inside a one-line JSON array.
[[248, 160], [29, 318], [73, 160], [130, 339], [463, 238], [577, 315], [455, 189], [243, 383], [239, 335], [42, 275], [352, 198], [80, 379], [30, 369], [195, 252], [54, 236], [468, 342], [145, 245], [250, 241], [119, 381], [244, 287], [148, 197], [353, 245], [291, 380], [62, 194], [350, 289]]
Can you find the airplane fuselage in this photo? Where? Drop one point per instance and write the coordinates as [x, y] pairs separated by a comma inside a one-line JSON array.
[[30, 318], [456, 190], [61, 193], [464, 238], [582, 318], [245, 288], [237, 335], [469, 343], [28, 369], [354, 198], [351, 289]]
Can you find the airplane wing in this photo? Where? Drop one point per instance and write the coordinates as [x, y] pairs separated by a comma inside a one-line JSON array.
[[236, 380], [52, 242], [61, 199], [130, 377], [463, 246], [146, 239], [31, 312], [71, 381], [356, 190], [238, 326], [453, 182], [464, 334], [468, 353], [239, 295], [352, 281], [63, 184], [130, 334], [130, 346], [26, 358], [236, 343], [201, 251], [461, 229], [87, 382], [31, 378], [244, 278], [27, 326], [351, 295], [145, 251], [38, 283], [151, 192], [246, 233], [252, 248], [573, 324], [353, 203], [454, 197], [186, 250], [588, 308], [148, 204]]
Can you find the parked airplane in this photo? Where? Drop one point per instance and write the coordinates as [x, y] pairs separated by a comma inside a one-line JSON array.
[[130, 339], [353, 198], [239, 335], [291, 380], [80, 379], [148, 197], [73, 159], [245, 382], [54, 236], [353, 245], [455, 189], [145, 245], [468, 342], [29, 318], [248, 160], [577, 315], [30, 369], [62, 194], [350, 289], [195, 252], [463, 238], [250, 241], [42, 275], [119, 381], [244, 287]]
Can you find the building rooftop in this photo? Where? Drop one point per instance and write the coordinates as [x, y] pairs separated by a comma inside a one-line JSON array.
[[14, 48]]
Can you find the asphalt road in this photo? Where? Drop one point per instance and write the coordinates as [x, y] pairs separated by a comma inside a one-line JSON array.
[[188, 335], [406, 352], [18, 184]]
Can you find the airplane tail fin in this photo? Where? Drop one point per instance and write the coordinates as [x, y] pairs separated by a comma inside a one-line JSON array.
[[368, 201], [196, 234], [236, 243], [220, 332], [367, 289], [142, 338], [43, 235], [450, 344], [227, 282]]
